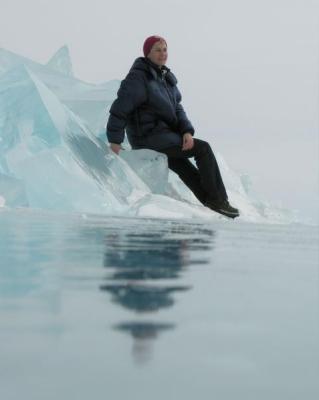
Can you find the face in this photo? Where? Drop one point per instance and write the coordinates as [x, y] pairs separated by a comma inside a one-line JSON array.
[[158, 53]]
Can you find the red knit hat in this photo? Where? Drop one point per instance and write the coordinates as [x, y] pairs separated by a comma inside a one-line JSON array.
[[149, 42]]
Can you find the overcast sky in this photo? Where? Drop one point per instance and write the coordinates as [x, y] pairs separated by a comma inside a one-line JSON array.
[[247, 69]]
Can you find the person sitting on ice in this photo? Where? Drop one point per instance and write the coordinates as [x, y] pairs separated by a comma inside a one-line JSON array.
[[148, 106]]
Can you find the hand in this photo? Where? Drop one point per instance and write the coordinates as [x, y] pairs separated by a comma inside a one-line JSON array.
[[116, 147], [188, 141]]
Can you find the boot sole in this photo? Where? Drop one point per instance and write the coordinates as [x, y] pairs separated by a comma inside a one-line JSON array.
[[229, 215], [224, 212]]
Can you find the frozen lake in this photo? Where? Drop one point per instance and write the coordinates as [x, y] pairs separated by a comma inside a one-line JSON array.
[[117, 308]]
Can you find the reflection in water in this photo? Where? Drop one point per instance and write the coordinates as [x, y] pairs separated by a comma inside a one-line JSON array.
[[44, 255], [142, 298], [144, 334], [144, 269]]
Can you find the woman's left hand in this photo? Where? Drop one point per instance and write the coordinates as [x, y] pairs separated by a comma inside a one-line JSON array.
[[188, 141]]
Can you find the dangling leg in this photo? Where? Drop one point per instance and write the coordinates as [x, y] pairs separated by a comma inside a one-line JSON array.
[[209, 174], [209, 170], [189, 174], [207, 179]]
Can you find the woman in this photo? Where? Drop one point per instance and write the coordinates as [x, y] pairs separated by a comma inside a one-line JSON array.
[[148, 106]]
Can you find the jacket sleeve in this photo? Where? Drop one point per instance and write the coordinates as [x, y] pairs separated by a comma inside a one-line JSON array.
[[131, 94], [184, 124]]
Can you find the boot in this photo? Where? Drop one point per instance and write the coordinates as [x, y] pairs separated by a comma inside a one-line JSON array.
[[222, 207]]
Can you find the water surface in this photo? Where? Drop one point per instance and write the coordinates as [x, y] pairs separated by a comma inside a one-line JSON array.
[[100, 307]]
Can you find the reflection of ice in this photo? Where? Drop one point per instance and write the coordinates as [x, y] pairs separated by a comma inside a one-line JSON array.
[[53, 142]]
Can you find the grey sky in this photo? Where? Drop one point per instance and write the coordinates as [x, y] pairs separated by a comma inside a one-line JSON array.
[[247, 70]]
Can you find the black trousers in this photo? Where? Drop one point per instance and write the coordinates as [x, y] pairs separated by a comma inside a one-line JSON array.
[[205, 181]]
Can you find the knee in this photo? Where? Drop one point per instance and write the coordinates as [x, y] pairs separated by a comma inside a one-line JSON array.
[[204, 146]]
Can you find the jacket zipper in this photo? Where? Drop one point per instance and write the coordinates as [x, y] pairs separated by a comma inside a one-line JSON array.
[[169, 95]]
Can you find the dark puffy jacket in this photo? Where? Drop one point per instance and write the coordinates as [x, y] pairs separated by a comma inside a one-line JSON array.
[[148, 106]]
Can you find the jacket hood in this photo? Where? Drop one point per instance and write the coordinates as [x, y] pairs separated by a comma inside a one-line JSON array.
[[145, 64]]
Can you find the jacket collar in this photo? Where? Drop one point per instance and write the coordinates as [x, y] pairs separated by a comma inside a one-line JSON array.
[[145, 64]]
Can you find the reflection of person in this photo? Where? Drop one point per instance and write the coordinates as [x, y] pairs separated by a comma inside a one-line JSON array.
[[144, 334], [148, 105], [156, 258], [144, 267]]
